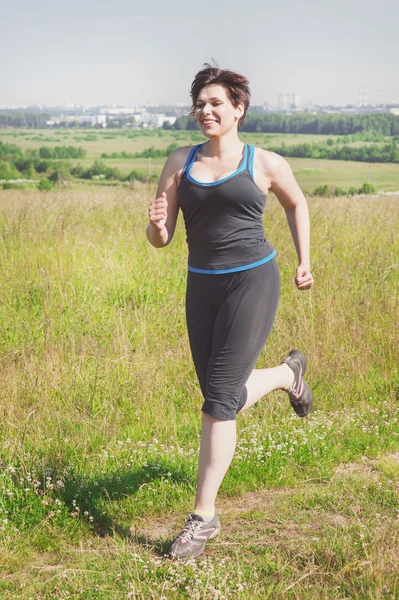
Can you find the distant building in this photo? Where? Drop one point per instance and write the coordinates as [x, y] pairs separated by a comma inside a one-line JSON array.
[[13, 106], [282, 102], [122, 110], [365, 110], [153, 121], [287, 101], [92, 120]]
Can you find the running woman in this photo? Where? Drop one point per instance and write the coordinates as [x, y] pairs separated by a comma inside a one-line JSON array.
[[233, 282]]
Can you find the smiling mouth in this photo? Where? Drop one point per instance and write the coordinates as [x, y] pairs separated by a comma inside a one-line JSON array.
[[208, 121]]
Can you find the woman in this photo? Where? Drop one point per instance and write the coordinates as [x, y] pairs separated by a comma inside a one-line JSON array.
[[233, 281]]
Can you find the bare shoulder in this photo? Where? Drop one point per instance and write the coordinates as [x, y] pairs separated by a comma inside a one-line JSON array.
[[173, 169], [174, 164], [271, 164], [282, 181], [178, 157]]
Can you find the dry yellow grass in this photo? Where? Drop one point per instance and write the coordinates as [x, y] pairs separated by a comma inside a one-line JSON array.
[[99, 393]]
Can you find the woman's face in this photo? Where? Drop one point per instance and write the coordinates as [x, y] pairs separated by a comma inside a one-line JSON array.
[[215, 113]]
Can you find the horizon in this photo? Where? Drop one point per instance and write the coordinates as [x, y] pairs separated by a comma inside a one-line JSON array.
[[274, 106]]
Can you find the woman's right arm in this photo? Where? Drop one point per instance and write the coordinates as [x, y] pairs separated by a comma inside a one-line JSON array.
[[164, 209]]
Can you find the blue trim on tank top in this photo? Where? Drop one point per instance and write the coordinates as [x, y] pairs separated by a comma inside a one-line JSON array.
[[244, 165], [233, 269], [188, 162], [251, 161]]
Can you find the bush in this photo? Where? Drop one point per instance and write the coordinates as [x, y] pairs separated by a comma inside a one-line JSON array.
[[10, 151], [8, 170], [367, 188], [62, 152], [135, 176], [45, 185], [115, 173], [97, 168], [23, 164], [30, 173], [41, 166], [77, 170], [323, 190], [61, 174], [331, 190], [13, 186], [45, 152], [339, 191], [171, 148]]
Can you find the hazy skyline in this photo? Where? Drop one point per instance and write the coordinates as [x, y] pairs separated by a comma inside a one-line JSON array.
[[132, 53]]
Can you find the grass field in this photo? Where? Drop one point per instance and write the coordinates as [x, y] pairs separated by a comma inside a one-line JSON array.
[[101, 411], [97, 141], [310, 173]]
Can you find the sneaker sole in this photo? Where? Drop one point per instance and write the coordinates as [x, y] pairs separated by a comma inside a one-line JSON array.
[[296, 406], [202, 548]]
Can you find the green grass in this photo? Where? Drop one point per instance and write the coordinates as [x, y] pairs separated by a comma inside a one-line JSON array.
[[101, 410], [311, 173], [97, 141]]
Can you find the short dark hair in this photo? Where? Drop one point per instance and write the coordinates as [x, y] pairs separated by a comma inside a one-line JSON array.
[[236, 86]]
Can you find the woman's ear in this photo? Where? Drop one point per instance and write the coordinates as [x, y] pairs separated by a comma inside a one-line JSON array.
[[240, 112]]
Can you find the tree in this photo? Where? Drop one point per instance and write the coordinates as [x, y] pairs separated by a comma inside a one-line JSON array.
[[45, 152]]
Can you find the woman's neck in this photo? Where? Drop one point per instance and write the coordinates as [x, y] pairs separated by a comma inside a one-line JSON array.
[[226, 145]]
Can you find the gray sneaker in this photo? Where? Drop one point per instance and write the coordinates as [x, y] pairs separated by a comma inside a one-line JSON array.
[[300, 394], [190, 542]]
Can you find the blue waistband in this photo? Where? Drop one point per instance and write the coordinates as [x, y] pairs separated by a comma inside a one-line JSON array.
[[234, 269]]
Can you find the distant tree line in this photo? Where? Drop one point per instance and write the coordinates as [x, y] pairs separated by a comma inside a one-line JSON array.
[[372, 153], [148, 153], [14, 163], [38, 120], [61, 152], [335, 124], [47, 165], [18, 118]]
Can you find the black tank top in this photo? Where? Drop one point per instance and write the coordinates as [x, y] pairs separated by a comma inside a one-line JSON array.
[[224, 219]]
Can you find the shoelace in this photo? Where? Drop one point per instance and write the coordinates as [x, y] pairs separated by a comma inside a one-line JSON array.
[[190, 529]]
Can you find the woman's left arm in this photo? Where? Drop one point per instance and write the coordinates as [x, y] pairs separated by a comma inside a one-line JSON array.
[[284, 185]]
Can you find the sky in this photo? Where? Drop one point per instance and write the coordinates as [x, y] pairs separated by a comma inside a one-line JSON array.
[[129, 52]]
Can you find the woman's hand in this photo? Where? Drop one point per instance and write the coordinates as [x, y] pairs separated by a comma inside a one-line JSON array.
[[158, 211], [303, 278]]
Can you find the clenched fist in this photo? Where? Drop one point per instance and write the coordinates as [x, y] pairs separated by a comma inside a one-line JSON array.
[[303, 278], [158, 211]]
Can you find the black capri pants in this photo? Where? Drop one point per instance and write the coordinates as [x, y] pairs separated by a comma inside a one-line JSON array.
[[229, 318]]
